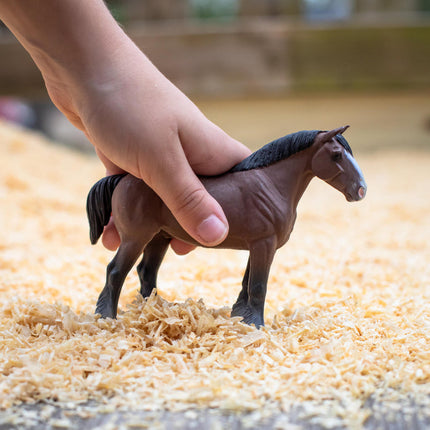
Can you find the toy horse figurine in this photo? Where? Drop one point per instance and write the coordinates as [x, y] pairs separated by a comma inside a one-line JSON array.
[[259, 197]]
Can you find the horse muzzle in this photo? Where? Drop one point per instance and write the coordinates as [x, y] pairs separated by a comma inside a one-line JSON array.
[[358, 193]]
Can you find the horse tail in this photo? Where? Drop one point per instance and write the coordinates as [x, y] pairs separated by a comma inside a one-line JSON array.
[[99, 204]]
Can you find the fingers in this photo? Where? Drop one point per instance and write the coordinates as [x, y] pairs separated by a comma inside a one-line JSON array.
[[197, 212], [111, 241], [110, 238], [183, 193], [181, 248], [209, 150], [166, 150], [111, 168]]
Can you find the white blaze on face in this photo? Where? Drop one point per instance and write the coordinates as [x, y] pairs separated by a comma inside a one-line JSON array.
[[360, 184]]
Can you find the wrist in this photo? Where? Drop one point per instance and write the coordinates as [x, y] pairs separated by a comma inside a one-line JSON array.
[[68, 39]]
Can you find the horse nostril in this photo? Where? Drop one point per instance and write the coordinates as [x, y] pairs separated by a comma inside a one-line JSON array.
[[361, 192]]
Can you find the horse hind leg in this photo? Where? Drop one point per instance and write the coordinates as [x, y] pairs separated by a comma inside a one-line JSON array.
[[116, 272], [240, 307], [147, 269]]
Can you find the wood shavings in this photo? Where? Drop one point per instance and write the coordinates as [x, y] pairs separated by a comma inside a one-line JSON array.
[[348, 306]]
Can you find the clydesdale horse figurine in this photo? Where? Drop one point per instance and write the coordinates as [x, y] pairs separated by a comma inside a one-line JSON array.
[[259, 197]]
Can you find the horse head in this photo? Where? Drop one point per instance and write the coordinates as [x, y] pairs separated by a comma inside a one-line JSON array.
[[334, 163]]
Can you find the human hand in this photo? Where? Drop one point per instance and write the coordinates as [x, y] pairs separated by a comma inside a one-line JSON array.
[[144, 125], [137, 120]]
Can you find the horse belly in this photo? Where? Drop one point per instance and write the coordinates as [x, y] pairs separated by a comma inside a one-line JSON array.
[[247, 223], [249, 204], [172, 228]]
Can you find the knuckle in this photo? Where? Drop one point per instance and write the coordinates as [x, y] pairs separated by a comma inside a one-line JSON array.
[[189, 200]]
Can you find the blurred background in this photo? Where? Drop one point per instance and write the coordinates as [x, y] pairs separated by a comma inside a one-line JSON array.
[[264, 68]]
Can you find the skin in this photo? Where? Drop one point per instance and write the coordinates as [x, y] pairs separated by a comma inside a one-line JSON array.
[[137, 120], [260, 205]]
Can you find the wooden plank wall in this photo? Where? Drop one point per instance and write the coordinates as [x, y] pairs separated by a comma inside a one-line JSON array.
[[260, 57]]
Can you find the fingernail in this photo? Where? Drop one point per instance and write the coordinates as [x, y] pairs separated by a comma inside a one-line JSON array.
[[212, 230]]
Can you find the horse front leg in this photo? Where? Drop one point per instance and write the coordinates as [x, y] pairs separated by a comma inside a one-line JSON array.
[[260, 260], [116, 272], [147, 269]]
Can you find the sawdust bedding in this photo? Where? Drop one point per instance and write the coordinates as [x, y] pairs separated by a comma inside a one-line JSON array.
[[347, 314]]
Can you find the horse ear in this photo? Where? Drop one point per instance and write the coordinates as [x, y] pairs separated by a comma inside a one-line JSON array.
[[328, 135]]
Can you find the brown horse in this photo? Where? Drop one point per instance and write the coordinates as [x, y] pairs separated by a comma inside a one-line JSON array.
[[259, 197]]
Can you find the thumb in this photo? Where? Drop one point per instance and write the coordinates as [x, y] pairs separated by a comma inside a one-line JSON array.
[[195, 209]]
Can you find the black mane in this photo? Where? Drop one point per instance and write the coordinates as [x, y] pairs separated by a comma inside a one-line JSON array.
[[282, 148]]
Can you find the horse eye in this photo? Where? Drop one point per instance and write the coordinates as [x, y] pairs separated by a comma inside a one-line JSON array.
[[337, 156]]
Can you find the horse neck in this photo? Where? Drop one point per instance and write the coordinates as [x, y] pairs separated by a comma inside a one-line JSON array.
[[292, 175]]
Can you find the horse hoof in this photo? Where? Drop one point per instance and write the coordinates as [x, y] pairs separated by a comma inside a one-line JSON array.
[[254, 319], [105, 313], [249, 315], [105, 310], [239, 309], [146, 292]]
